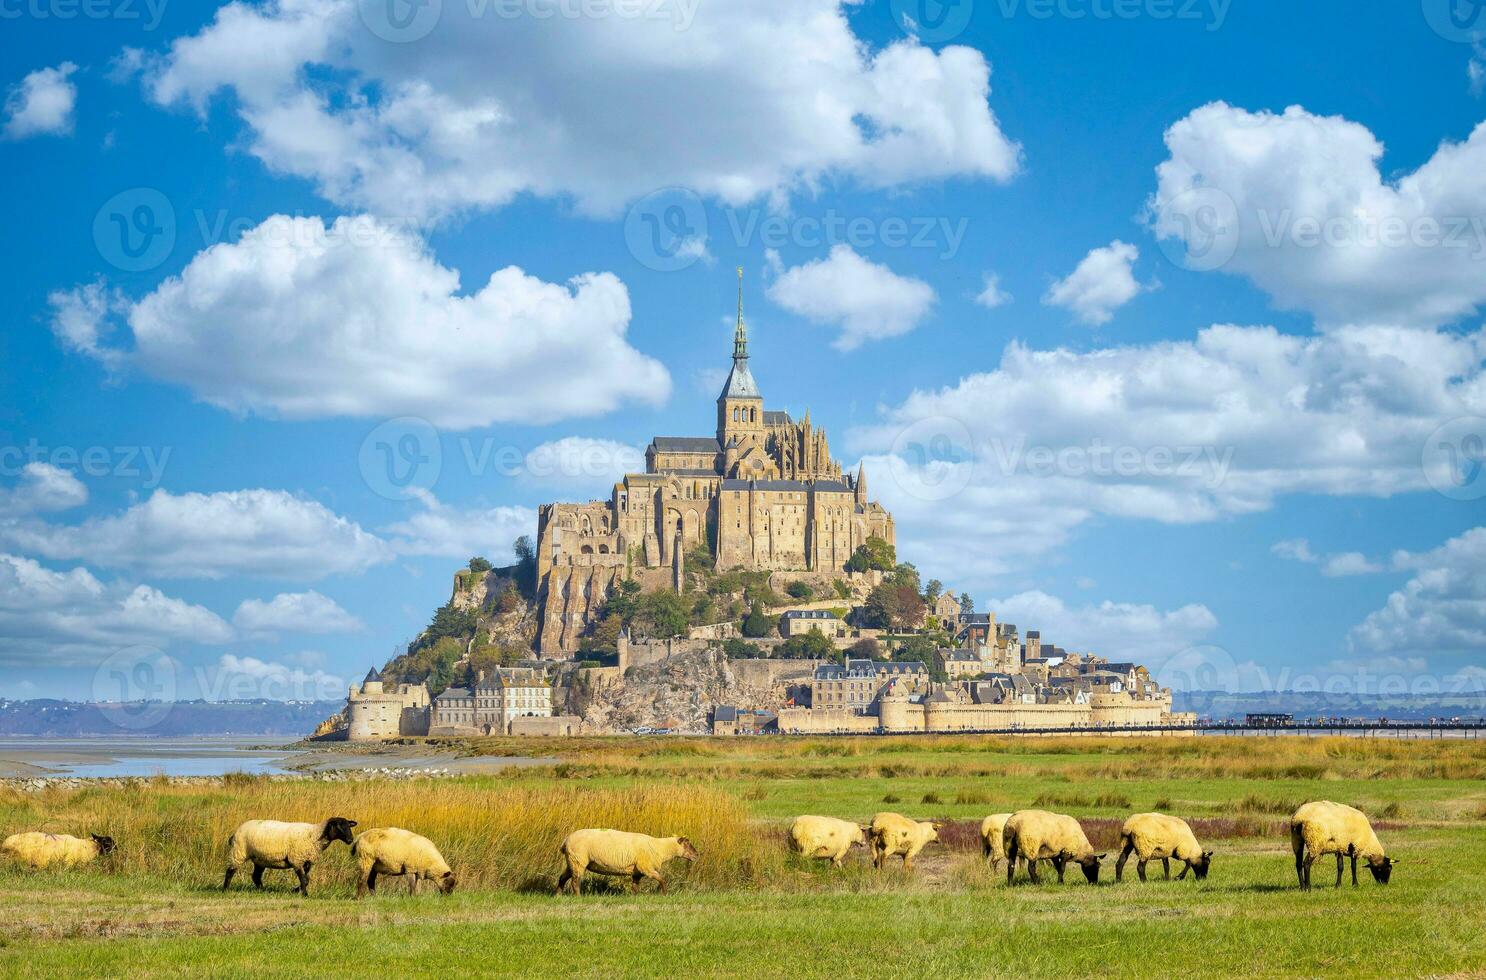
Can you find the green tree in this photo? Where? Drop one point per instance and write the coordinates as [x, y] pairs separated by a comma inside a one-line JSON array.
[[526, 566], [866, 648], [967, 604], [933, 590], [756, 624], [808, 646], [875, 554], [662, 613], [799, 590], [736, 649], [843, 591], [479, 565]]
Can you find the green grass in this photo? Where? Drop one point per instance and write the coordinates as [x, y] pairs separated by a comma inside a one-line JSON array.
[[770, 915]]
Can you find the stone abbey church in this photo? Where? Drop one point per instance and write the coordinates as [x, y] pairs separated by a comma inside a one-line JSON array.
[[762, 494]]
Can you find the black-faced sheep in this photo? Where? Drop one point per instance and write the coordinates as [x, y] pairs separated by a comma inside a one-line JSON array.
[[893, 833], [1152, 836], [39, 850], [391, 851], [1324, 827], [1032, 835], [621, 854], [275, 844]]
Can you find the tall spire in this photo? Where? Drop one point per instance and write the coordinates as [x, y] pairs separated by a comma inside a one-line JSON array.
[[861, 483], [740, 333]]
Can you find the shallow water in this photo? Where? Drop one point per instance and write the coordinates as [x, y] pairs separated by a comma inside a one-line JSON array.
[[117, 756]]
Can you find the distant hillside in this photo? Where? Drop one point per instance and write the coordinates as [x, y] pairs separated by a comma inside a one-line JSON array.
[[63, 718]]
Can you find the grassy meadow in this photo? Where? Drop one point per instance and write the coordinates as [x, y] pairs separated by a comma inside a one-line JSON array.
[[748, 906]]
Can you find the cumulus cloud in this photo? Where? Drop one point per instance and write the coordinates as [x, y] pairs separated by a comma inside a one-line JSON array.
[[485, 108], [235, 678], [1102, 283], [303, 321], [41, 103], [267, 533], [1441, 609], [1118, 630], [1006, 463], [992, 295], [459, 532], [1295, 549], [1300, 200], [42, 487], [865, 300], [71, 617], [582, 464], [295, 612], [1332, 566]]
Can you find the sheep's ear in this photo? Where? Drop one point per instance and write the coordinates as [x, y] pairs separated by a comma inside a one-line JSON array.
[[1101, 857], [350, 823], [1207, 854]]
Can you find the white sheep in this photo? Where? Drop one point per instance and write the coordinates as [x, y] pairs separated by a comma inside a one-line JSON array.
[[1032, 835], [275, 844], [1324, 827], [1152, 836], [40, 850], [992, 838], [893, 833], [826, 837], [393, 851], [619, 853]]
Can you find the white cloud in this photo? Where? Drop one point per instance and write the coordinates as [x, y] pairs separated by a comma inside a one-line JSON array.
[[1102, 283], [41, 103], [1476, 71], [1318, 227], [866, 300], [1349, 563], [1175, 432], [749, 101], [295, 612], [42, 487], [81, 319], [460, 532], [1296, 549], [267, 533], [1440, 610], [72, 617], [992, 295], [592, 465], [237, 678], [301, 321], [1118, 630]]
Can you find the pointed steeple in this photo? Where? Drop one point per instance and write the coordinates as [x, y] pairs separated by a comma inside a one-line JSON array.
[[373, 675], [861, 483], [740, 332], [740, 383]]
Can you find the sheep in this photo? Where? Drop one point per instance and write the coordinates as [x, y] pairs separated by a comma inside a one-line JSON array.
[[1031, 835], [1324, 827], [992, 843], [40, 850], [616, 852], [275, 844], [392, 851], [893, 833], [1155, 835], [826, 837]]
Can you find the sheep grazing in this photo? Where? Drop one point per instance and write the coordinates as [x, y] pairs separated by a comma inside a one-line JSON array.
[[893, 833], [618, 853], [1151, 836], [38, 850], [275, 844], [394, 852], [1032, 835], [1334, 828], [992, 841], [826, 837]]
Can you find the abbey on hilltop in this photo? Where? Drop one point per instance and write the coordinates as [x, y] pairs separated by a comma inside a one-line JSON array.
[[762, 494]]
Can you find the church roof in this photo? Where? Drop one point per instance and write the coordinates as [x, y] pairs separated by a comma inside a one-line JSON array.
[[777, 418], [372, 675], [686, 444], [740, 381]]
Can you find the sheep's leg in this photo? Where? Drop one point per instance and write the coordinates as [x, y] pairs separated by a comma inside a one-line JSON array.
[[1186, 866], [1124, 856], [258, 876], [227, 879], [412, 884], [1032, 871], [634, 882], [1140, 869], [303, 871], [1059, 864], [1338, 871], [1166, 868], [1310, 859], [1300, 862], [1354, 870], [1010, 867], [563, 879]]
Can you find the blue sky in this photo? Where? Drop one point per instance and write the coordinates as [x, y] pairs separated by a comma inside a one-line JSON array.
[[191, 415]]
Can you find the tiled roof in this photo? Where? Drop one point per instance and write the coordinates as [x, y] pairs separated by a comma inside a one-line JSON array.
[[777, 418], [809, 614], [740, 383], [373, 675], [454, 694], [725, 712], [686, 444]]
